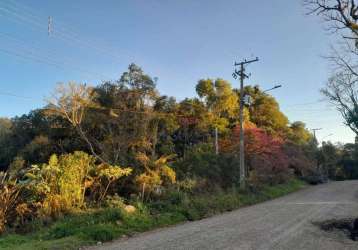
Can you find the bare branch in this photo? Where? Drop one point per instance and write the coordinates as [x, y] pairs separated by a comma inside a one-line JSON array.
[[341, 91], [339, 14], [71, 102]]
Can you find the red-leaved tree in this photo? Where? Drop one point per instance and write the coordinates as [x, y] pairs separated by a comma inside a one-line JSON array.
[[265, 158]]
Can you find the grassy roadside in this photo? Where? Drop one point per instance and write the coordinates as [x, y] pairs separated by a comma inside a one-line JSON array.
[[102, 225]]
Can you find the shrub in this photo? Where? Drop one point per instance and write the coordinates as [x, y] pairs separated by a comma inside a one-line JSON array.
[[187, 184], [203, 166], [9, 198], [60, 186], [114, 201], [102, 177], [79, 223], [157, 174], [15, 166], [169, 201], [101, 232]]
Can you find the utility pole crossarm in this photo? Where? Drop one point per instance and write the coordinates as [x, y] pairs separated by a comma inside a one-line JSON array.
[[314, 132], [246, 61]]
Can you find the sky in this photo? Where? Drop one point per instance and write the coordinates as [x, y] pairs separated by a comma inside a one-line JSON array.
[[178, 41]]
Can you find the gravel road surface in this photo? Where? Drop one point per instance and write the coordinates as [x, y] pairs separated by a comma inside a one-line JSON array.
[[284, 223]]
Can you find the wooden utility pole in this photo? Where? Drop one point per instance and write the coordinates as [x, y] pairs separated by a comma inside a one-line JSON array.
[[314, 133], [216, 142], [49, 26], [241, 73]]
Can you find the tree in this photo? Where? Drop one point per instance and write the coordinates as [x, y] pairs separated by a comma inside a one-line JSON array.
[[35, 136], [299, 134], [157, 174], [301, 159], [165, 125], [347, 162], [340, 14], [328, 159], [220, 100], [265, 157], [265, 111], [219, 97], [126, 121], [6, 151], [194, 125], [5, 126], [71, 102], [118, 119], [341, 91]]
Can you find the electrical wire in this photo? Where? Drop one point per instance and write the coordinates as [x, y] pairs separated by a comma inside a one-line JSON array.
[[17, 96], [305, 103], [23, 50], [104, 108], [65, 34]]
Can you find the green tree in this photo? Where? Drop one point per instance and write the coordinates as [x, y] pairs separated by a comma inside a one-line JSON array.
[[7, 152], [348, 162], [265, 111], [328, 159], [220, 100], [299, 134]]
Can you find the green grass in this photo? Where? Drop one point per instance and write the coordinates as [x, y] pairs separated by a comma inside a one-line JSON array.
[[102, 225]]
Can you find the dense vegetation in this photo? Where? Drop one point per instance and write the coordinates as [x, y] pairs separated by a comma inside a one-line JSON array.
[[105, 224], [138, 159]]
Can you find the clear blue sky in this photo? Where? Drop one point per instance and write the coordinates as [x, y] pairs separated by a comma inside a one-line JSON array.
[[177, 41]]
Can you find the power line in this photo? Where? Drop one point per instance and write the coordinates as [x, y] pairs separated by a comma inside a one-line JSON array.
[[306, 103], [30, 56], [21, 18], [30, 53], [309, 110], [40, 24], [151, 112], [63, 34], [17, 96]]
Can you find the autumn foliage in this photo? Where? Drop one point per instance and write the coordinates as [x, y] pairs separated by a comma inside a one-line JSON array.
[[266, 159], [122, 142]]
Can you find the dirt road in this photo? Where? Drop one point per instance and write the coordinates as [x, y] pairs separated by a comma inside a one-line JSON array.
[[284, 223]]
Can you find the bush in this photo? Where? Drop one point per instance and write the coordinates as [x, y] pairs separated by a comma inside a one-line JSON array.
[[201, 163], [78, 224], [114, 201], [170, 201], [9, 198], [157, 175], [210, 204], [101, 232], [60, 186]]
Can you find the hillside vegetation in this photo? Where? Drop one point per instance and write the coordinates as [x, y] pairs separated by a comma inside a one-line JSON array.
[[98, 162]]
